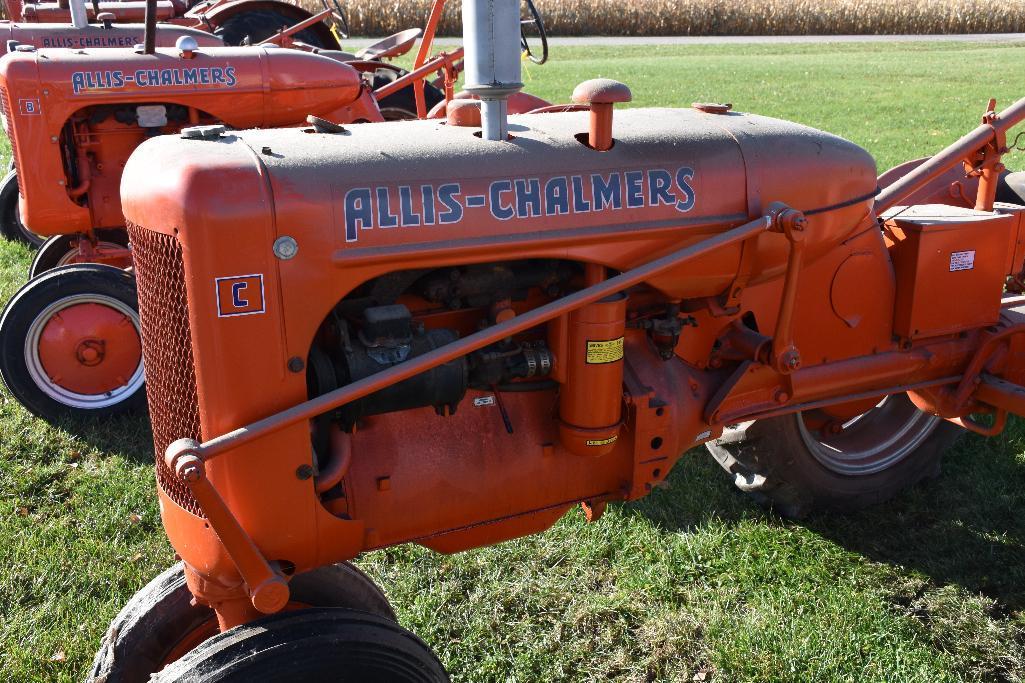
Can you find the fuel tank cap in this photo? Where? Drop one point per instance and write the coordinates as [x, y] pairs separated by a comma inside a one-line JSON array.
[[203, 132], [712, 107]]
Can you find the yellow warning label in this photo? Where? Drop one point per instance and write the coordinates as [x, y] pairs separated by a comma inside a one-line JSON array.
[[604, 351], [602, 442]]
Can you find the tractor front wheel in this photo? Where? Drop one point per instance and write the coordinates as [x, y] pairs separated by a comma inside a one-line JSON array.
[[325, 644], [10, 215], [62, 250], [70, 344], [797, 464], [160, 624]]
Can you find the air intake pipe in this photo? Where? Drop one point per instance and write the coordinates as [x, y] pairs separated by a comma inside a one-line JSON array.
[[491, 36]]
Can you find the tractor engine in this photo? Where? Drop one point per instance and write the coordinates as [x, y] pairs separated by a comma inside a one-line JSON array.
[[341, 255], [75, 116]]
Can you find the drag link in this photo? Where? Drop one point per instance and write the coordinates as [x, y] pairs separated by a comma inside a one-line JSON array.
[[268, 589]]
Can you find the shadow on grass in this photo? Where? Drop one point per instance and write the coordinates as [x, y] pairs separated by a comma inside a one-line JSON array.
[[966, 527], [127, 436]]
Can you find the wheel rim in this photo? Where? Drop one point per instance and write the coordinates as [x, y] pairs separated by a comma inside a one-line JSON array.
[[873, 441], [85, 351]]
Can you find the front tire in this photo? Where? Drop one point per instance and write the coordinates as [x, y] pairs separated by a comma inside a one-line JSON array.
[[259, 24], [338, 645], [71, 346], [401, 105], [160, 623], [62, 250], [794, 469], [11, 226]]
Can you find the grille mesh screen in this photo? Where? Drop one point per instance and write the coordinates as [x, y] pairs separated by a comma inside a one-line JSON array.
[[167, 350], [5, 102]]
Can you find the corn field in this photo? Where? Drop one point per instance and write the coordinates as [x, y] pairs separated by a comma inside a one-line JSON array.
[[716, 17]]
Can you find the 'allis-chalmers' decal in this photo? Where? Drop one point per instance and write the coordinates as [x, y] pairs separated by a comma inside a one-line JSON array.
[[416, 205], [218, 76], [91, 41]]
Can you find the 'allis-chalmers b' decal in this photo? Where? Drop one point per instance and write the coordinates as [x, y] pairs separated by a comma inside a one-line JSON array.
[[218, 76], [422, 205]]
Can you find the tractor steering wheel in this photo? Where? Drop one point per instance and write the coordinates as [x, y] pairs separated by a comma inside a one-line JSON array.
[[533, 19]]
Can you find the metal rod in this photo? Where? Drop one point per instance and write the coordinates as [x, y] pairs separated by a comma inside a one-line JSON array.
[[430, 67], [426, 42], [946, 158], [150, 36], [478, 340]]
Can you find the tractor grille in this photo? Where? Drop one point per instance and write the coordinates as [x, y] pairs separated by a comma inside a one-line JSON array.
[[167, 350], [5, 104]]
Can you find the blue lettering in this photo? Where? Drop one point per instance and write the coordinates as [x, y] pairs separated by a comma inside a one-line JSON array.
[[230, 73], [408, 216], [528, 201], [217, 75], [447, 195], [78, 82], [499, 209], [660, 188], [634, 189], [191, 77], [152, 77], [204, 76], [427, 194], [358, 212], [580, 205], [606, 192], [683, 178], [385, 218], [119, 79], [236, 294], [556, 197]]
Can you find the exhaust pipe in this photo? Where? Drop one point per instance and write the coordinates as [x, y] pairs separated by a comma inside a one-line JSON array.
[[79, 16], [491, 36], [150, 39]]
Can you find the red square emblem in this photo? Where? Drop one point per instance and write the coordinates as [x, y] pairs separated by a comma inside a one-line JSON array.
[[239, 295]]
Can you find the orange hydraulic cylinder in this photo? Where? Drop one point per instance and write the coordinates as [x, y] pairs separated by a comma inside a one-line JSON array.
[[591, 400]]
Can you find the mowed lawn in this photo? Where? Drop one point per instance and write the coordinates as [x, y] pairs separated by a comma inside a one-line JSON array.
[[693, 583]]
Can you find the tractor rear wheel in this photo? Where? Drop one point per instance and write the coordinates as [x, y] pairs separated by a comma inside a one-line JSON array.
[[70, 344], [10, 215], [797, 464], [325, 644], [160, 624], [260, 24], [62, 250]]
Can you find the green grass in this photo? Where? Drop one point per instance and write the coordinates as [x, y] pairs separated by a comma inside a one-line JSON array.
[[695, 578]]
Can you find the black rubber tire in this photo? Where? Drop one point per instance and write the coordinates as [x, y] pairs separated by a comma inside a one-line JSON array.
[[55, 248], [260, 24], [1011, 188], [153, 622], [23, 308], [11, 226], [770, 461], [401, 105], [325, 644]]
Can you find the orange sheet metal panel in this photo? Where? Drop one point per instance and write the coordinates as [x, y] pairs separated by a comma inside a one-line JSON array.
[[950, 264]]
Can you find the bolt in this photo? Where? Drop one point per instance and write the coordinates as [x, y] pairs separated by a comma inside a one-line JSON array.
[[190, 473], [295, 364], [781, 396], [266, 151], [285, 247], [304, 472]]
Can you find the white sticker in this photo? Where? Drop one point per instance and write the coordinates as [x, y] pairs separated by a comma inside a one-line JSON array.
[[484, 401], [962, 260]]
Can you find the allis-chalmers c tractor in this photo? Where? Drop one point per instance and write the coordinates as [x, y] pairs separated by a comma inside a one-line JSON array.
[[70, 343], [453, 334]]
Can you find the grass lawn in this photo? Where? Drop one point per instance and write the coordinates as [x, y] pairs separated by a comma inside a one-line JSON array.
[[692, 580]]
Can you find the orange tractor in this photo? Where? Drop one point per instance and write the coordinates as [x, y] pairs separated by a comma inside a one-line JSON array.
[[451, 333], [69, 339]]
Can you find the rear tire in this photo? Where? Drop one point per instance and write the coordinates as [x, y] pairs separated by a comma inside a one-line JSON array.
[[70, 344], [60, 250], [160, 617], [787, 467], [325, 644], [260, 24], [10, 215]]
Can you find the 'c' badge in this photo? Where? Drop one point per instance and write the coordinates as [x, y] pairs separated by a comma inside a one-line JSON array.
[[239, 295]]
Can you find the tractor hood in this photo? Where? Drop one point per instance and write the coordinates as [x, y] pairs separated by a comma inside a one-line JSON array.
[[390, 195]]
